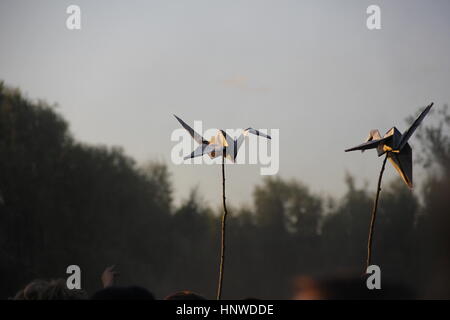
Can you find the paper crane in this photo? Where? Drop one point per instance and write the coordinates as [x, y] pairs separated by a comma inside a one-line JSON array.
[[397, 146], [219, 143]]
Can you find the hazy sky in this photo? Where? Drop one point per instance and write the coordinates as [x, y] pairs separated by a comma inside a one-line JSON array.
[[309, 68]]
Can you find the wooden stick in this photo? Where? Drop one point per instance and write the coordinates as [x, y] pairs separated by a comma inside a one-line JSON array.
[[374, 215], [224, 217]]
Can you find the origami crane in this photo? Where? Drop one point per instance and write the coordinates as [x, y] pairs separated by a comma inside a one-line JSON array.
[[220, 145], [397, 147]]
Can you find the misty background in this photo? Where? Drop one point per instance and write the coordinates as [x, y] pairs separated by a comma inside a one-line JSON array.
[[85, 126], [309, 68]]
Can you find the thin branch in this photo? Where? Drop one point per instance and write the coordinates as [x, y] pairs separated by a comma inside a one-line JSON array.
[[374, 215], [224, 217]]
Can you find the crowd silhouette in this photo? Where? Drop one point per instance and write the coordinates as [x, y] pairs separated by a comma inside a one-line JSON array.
[[63, 202]]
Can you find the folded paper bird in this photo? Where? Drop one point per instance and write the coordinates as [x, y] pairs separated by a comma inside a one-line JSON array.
[[219, 145], [396, 145]]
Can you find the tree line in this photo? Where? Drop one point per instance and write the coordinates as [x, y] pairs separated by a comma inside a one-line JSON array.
[[64, 202]]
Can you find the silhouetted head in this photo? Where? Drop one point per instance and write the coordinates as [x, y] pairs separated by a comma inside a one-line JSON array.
[[184, 295], [123, 293], [49, 290]]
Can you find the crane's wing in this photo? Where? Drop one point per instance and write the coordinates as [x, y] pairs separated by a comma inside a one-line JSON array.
[[235, 144], [402, 162], [232, 148], [365, 146], [228, 139], [373, 141], [408, 133], [201, 150], [256, 132], [191, 131]]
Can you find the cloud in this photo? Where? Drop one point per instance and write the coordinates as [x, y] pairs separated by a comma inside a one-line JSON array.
[[242, 83]]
